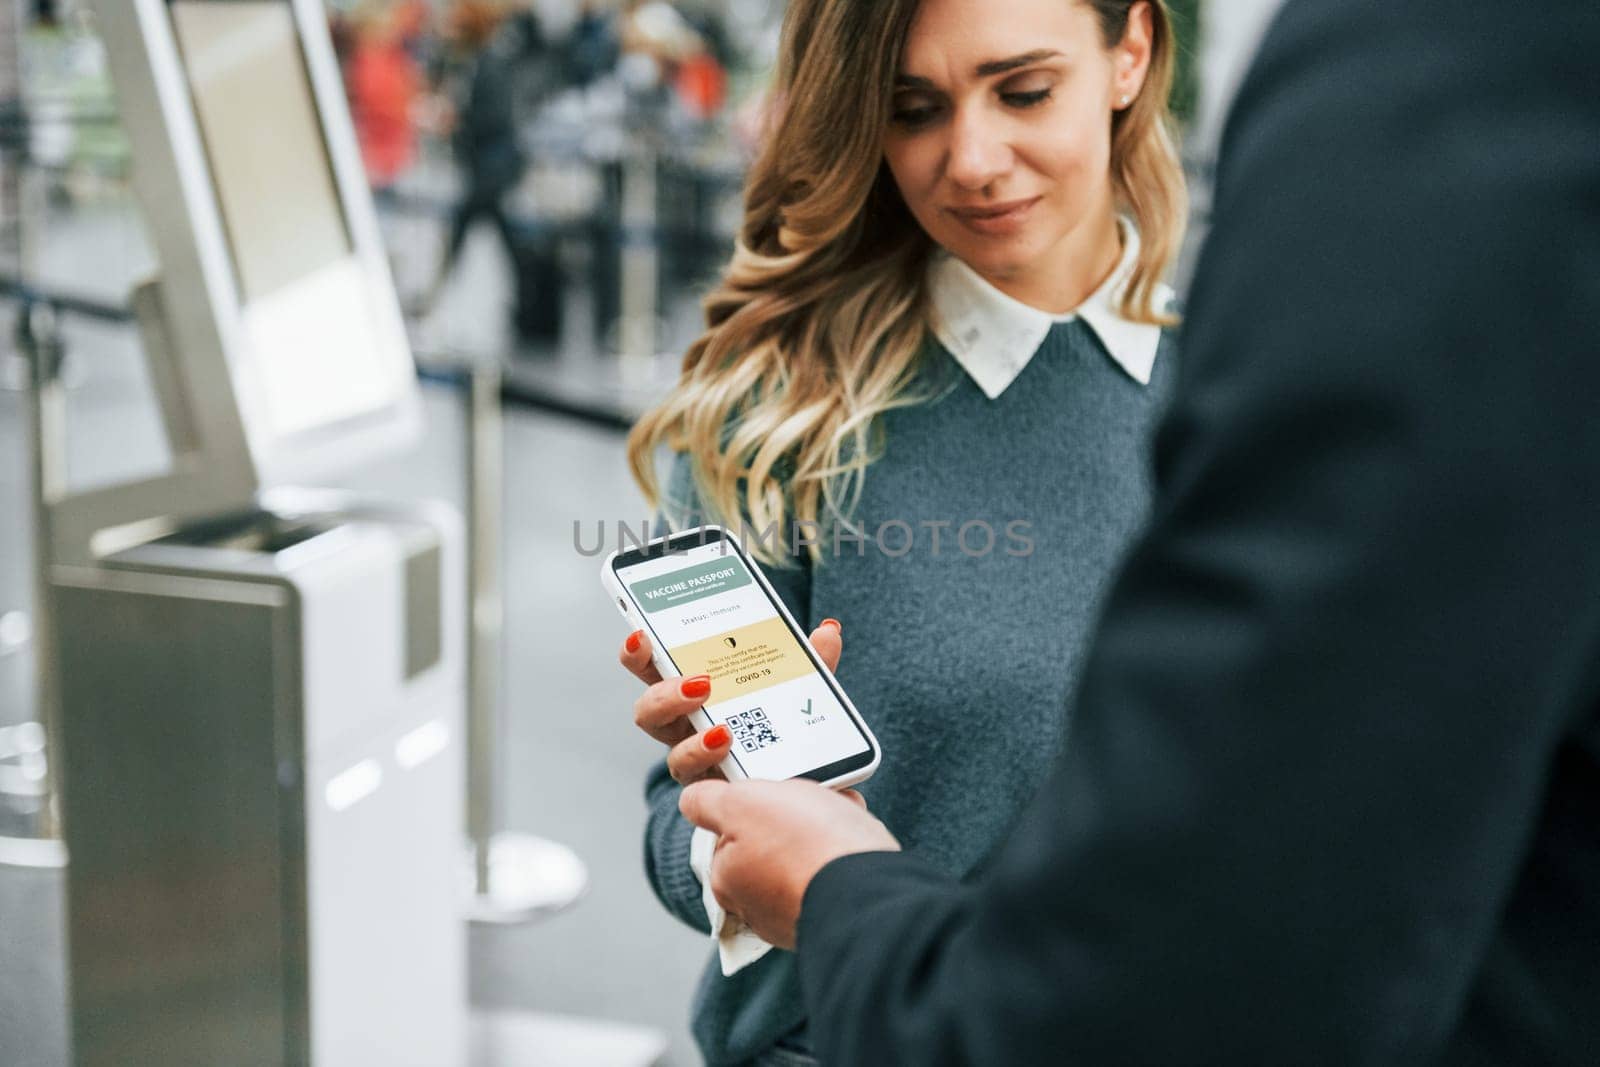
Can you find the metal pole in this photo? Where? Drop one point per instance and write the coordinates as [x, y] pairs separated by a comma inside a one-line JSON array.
[[38, 340], [516, 877], [640, 263], [47, 413], [486, 615]]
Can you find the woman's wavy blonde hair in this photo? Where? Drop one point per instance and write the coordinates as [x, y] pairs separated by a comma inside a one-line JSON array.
[[816, 327]]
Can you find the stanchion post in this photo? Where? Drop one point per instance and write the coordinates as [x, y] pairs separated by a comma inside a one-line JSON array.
[[486, 611], [516, 877], [40, 343], [640, 263]]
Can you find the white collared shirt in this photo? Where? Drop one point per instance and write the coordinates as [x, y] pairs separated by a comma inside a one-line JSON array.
[[994, 336]]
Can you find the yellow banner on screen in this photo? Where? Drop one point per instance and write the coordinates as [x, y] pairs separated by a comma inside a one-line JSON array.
[[744, 660]]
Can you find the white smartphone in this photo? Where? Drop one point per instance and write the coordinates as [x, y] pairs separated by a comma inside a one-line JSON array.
[[708, 609]]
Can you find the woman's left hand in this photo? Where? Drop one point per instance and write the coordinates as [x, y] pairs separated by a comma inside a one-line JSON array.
[[663, 710]]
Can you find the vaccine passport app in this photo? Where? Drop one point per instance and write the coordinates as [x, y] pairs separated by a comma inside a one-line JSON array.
[[712, 617]]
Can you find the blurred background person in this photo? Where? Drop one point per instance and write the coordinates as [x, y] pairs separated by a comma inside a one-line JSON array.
[[482, 79], [592, 48], [383, 82], [679, 56], [476, 80]]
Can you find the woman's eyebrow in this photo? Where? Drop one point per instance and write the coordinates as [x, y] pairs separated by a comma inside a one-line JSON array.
[[1002, 66], [984, 70]]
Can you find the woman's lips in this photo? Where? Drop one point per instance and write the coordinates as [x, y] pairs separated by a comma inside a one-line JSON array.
[[995, 220]]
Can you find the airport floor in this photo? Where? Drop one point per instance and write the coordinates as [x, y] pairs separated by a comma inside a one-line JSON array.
[[601, 983]]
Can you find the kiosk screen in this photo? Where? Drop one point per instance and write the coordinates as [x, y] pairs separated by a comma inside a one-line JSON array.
[[263, 139], [312, 310]]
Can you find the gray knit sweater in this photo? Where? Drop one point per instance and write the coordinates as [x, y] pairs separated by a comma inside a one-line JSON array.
[[961, 655]]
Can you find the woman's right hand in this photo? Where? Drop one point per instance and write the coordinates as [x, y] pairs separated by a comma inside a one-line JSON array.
[[663, 711]]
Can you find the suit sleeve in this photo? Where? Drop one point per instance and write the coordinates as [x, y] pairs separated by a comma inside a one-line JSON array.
[[1318, 721], [667, 832]]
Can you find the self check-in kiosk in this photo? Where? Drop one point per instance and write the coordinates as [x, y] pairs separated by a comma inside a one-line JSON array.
[[260, 688]]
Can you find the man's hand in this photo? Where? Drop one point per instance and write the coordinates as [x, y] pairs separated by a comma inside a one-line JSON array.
[[775, 837]]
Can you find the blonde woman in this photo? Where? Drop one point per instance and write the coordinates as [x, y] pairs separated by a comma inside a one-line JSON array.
[[929, 376]]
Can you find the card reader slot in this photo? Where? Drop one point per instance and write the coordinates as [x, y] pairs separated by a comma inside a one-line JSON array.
[[255, 531]]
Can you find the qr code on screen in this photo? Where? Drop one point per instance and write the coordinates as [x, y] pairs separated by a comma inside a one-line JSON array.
[[752, 729]]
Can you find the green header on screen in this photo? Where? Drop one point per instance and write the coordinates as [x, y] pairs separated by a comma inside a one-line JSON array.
[[695, 583]]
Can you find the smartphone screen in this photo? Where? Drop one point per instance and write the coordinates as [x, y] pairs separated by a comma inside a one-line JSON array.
[[709, 613]]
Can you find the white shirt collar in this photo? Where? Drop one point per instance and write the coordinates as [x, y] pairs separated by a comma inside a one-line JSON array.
[[993, 336]]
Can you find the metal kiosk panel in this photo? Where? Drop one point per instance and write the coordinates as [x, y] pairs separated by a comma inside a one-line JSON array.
[[261, 691], [264, 793]]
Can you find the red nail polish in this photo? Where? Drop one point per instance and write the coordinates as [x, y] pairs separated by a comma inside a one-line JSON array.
[[718, 736], [835, 623], [696, 688], [633, 640]]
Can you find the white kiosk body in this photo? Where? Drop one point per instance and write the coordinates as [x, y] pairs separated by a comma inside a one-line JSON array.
[[263, 793], [261, 689]]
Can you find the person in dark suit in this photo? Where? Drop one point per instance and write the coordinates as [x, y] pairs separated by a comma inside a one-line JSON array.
[[1332, 789]]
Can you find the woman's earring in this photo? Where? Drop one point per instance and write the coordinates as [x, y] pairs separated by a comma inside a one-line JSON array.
[[1126, 100]]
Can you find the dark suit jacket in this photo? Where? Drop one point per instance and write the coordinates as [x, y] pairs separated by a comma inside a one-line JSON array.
[[1332, 789]]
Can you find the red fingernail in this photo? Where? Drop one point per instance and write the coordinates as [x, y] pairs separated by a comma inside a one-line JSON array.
[[696, 688], [833, 623], [633, 640], [718, 736]]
